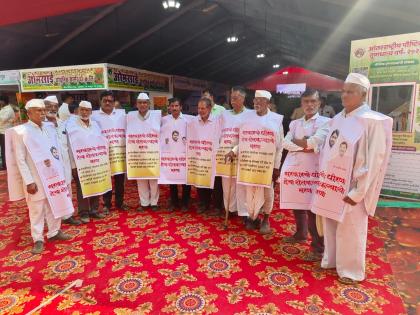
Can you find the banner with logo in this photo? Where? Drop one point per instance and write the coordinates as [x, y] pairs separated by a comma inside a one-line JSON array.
[[84, 77], [52, 174], [9, 77], [173, 142], [392, 64]]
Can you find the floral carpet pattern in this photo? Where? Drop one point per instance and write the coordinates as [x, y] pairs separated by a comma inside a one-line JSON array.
[[179, 263]]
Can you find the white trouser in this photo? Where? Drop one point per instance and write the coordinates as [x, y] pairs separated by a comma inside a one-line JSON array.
[[71, 196], [259, 198], [237, 196], [229, 184], [39, 211], [148, 192], [345, 243]]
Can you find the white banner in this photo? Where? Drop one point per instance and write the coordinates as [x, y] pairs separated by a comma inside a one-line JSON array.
[[52, 176], [336, 167], [113, 128], [91, 155], [173, 142], [143, 159], [202, 143]]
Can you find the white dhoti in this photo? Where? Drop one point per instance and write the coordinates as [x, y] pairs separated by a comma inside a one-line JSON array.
[[259, 198], [148, 192], [241, 200], [345, 243], [229, 187], [71, 196], [39, 211]]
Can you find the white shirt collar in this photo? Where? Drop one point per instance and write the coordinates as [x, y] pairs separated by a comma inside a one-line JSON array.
[[314, 117], [361, 108], [102, 112]]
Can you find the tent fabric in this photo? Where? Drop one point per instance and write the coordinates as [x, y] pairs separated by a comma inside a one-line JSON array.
[[26, 10], [291, 75]]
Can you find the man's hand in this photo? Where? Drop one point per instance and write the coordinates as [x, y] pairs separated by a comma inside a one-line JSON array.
[[301, 143], [229, 157], [32, 189], [350, 201], [47, 163], [276, 174]]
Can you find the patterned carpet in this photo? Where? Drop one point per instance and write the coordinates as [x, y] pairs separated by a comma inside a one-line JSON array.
[[173, 263]]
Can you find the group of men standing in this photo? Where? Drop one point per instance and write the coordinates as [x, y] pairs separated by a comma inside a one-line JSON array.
[[230, 156]]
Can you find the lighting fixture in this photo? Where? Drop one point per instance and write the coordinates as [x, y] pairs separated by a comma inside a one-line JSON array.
[[275, 66], [285, 72], [232, 39], [261, 55], [171, 4]]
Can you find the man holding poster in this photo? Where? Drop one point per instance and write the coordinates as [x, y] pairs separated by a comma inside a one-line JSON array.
[[203, 134], [143, 158], [42, 174], [113, 124], [89, 158], [259, 157], [352, 170], [230, 121], [173, 154], [299, 175]]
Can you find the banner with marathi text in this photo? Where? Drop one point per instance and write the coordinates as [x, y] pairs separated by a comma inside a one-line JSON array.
[[173, 141], [257, 148], [202, 143], [336, 167], [113, 129], [52, 174], [143, 153], [392, 64], [84, 77], [91, 155]]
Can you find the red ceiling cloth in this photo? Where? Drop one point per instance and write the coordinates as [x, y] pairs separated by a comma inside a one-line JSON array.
[[312, 79], [19, 11]]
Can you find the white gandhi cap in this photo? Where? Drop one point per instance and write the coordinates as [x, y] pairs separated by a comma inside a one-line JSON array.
[[85, 104], [52, 99], [263, 93], [143, 97], [358, 79], [35, 103]]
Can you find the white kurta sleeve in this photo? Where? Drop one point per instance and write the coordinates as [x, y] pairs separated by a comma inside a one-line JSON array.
[[71, 157], [279, 147], [370, 154], [288, 140], [316, 141], [20, 151]]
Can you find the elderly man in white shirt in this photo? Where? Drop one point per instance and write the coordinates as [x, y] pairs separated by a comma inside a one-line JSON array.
[[39, 208], [261, 199], [368, 139], [7, 119], [303, 141], [59, 126], [63, 111]]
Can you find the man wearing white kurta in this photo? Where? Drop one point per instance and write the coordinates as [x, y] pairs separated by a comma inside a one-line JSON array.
[[148, 188], [304, 139], [39, 208], [230, 121], [345, 241], [87, 207], [261, 199], [108, 116], [59, 127]]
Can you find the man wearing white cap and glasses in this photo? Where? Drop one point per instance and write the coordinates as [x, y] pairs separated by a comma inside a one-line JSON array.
[[141, 124], [260, 198], [24, 152], [59, 127], [368, 137], [88, 207]]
